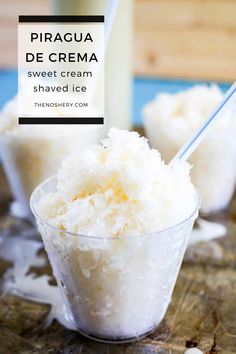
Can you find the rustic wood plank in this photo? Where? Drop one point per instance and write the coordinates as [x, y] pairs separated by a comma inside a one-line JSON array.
[[192, 39], [196, 53], [153, 14], [9, 12]]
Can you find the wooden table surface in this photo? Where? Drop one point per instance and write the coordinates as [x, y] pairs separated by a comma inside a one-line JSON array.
[[202, 312]]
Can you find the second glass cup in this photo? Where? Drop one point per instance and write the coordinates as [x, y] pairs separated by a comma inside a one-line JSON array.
[[28, 160]]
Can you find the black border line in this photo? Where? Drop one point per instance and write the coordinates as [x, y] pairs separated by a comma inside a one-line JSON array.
[[61, 120], [60, 18]]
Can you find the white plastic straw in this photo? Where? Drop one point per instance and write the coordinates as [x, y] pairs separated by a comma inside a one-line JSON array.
[[192, 144], [109, 19]]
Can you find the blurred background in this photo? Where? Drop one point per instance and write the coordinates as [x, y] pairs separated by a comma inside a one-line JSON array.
[[176, 44]]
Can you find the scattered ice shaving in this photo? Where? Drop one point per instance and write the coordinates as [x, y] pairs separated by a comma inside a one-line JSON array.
[[23, 253], [206, 231], [193, 351], [17, 210]]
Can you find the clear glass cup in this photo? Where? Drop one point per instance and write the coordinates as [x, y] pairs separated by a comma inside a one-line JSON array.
[[114, 289], [28, 160], [214, 161]]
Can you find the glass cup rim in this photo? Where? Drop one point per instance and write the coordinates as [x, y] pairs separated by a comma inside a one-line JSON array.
[[152, 234]]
